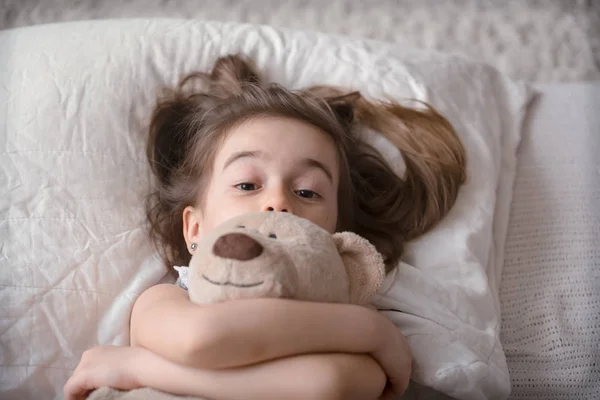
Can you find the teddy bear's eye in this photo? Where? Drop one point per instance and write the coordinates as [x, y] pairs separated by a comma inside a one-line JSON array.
[[241, 226], [272, 235]]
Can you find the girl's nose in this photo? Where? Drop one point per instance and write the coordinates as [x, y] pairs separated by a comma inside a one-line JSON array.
[[274, 209], [278, 201]]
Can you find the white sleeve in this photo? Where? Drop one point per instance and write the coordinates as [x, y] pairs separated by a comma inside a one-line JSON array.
[[182, 280]]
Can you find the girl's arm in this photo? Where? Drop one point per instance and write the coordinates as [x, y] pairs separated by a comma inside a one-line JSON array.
[[305, 377], [239, 333]]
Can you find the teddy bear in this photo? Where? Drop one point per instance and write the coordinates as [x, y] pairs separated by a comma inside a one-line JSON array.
[[277, 255]]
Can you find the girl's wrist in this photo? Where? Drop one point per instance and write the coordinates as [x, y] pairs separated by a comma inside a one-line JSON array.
[[375, 326], [152, 370], [385, 331], [143, 366]]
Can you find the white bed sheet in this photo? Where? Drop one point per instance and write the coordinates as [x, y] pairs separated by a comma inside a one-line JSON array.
[[550, 289]]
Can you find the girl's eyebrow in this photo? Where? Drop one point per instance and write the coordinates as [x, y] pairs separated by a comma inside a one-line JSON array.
[[306, 162], [312, 163], [243, 154]]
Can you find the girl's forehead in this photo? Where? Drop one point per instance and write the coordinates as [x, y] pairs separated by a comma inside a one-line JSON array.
[[277, 138]]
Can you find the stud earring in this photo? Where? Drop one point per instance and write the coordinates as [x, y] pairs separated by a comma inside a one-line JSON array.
[[193, 246]]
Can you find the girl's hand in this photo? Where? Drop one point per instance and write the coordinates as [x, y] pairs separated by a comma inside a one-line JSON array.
[[393, 354], [112, 366]]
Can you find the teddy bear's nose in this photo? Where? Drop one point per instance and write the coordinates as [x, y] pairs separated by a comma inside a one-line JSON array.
[[237, 246]]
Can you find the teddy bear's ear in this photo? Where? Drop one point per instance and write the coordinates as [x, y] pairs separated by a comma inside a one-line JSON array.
[[364, 265]]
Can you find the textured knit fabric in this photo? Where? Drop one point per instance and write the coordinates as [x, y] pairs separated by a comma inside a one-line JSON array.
[[550, 289]]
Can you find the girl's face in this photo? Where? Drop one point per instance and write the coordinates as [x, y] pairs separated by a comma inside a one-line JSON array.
[[269, 164]]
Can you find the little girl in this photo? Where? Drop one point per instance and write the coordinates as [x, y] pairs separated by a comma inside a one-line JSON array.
[[241, 145]]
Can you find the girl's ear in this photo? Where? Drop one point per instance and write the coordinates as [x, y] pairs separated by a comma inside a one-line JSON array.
[[192, 222], [364, 266]]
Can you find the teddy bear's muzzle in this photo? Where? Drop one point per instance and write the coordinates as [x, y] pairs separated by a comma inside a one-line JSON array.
[[237, 246]]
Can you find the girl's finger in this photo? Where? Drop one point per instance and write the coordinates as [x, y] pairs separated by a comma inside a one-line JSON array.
[[388, 393], [76, 388]]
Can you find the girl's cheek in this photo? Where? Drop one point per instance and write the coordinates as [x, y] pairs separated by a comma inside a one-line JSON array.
[[236, 205]]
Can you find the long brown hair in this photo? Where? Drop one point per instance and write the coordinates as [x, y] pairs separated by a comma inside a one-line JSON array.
[[189, 123]]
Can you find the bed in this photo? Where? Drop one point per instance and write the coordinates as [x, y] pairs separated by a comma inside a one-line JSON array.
[[533, 212]]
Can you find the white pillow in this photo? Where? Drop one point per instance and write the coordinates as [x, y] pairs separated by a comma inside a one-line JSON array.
[[76, 99]]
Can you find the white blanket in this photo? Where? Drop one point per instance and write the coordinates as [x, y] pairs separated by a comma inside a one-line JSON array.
[[550, 288], [75, 101]]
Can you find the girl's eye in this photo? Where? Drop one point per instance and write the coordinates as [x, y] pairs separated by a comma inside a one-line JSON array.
[[308, 194], [247, 186]]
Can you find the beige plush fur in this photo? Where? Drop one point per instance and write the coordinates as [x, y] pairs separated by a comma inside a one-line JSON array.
[[297, 260]]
